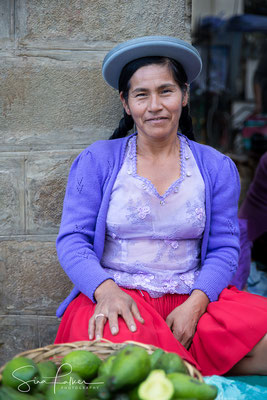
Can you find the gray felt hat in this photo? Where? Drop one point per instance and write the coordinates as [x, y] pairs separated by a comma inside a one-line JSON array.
[[165, 46]]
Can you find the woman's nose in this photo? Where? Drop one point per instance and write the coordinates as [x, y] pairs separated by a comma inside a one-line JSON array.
[[154, 103]]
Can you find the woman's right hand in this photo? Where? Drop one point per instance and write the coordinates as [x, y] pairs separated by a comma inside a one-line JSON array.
[[111, 303]]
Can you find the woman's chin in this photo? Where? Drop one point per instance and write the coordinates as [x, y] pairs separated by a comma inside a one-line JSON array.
[[158, 133]]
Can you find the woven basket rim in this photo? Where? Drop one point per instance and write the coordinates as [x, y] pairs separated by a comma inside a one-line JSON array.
[[102, 347]]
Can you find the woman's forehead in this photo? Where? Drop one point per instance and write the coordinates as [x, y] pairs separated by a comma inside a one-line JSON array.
[[152, 74]]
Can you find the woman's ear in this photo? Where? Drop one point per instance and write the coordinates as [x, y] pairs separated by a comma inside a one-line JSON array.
[[185, 98], [125, 105]]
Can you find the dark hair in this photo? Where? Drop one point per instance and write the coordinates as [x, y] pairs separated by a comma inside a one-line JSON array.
[[180, 77]]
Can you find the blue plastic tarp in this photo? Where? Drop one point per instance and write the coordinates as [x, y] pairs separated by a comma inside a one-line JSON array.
[[252, 387]]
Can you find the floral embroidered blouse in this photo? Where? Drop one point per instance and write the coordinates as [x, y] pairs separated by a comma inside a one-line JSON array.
[[153, 242]]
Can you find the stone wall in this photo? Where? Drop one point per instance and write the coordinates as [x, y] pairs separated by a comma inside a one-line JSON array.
[[53, 104]]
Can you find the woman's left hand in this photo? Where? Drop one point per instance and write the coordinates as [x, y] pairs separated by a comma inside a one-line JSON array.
[[183, 319]]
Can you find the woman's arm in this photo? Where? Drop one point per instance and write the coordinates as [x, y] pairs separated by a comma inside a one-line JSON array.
[[75, 242], [183, 319], [223, 245], [76, 251]]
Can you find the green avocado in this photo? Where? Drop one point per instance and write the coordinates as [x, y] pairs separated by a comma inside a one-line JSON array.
[[155, 356], [106, 366], [156, 387], [130, 367], [187, 387], [171, 362]]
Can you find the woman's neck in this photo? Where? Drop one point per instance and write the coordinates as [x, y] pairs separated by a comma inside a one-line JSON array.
[[157, 149]]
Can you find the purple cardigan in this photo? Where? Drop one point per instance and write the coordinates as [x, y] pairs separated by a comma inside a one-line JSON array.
[[81, 238]]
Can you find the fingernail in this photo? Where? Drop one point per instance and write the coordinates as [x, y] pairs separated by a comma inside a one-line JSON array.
[[90, 337], [133, 328], [97, 337], [113, 330]]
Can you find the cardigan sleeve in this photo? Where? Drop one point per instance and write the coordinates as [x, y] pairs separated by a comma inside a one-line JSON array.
[[222, 254], [75, 241]]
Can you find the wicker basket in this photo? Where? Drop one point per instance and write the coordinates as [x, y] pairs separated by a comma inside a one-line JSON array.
[[102, 348]]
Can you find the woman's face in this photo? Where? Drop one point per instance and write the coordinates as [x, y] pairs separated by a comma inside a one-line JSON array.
[[155, 102]]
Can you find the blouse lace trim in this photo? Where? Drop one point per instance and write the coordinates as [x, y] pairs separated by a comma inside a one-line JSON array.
[[133, 168]]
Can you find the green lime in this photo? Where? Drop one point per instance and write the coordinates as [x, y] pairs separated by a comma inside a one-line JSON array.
[[8, 393], [83, 362], [97, 389], [20, 373]]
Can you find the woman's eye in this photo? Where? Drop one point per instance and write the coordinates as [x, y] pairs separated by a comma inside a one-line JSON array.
[[166, 91]]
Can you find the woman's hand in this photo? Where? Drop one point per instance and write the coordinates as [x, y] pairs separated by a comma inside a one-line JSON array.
[[183, 319], [112, 302]]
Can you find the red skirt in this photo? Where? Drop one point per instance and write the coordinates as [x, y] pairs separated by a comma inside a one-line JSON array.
[[228, 330]]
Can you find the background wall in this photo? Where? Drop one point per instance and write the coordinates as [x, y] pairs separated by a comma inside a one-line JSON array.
[[53, 104]]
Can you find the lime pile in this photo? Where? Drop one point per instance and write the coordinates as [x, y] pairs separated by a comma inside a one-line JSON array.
[[129, 374]]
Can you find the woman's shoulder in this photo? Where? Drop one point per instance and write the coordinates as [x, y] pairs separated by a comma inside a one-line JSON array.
[[102, 153], [209, 155], [205, 150], [105, 147], [214, 162]]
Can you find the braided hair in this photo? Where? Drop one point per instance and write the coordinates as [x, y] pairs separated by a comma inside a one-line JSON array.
[[180, 77], [125, 125], [185, 123]]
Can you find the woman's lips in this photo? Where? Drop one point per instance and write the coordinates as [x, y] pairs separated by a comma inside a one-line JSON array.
[[157, 119]]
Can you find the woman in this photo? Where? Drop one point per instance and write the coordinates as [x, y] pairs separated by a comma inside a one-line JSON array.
[[149, 232]]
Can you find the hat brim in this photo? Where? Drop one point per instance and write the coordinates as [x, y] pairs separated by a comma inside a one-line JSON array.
[[164, 46]]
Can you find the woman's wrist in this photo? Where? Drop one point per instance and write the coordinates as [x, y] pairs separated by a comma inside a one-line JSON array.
[[105, 286], [200, 300]]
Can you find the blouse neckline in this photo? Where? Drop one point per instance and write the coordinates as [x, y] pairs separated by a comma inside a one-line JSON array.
[[174, 186]]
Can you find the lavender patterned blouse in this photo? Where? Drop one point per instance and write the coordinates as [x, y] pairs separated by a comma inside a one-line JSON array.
[[152, 241]]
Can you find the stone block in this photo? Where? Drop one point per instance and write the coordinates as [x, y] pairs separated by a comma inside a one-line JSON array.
[[46, 178], [11, 195], [32, 280], [105, 20], [25, 332], [6, 20], [52, 104], [47, 329], [17, 334]]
